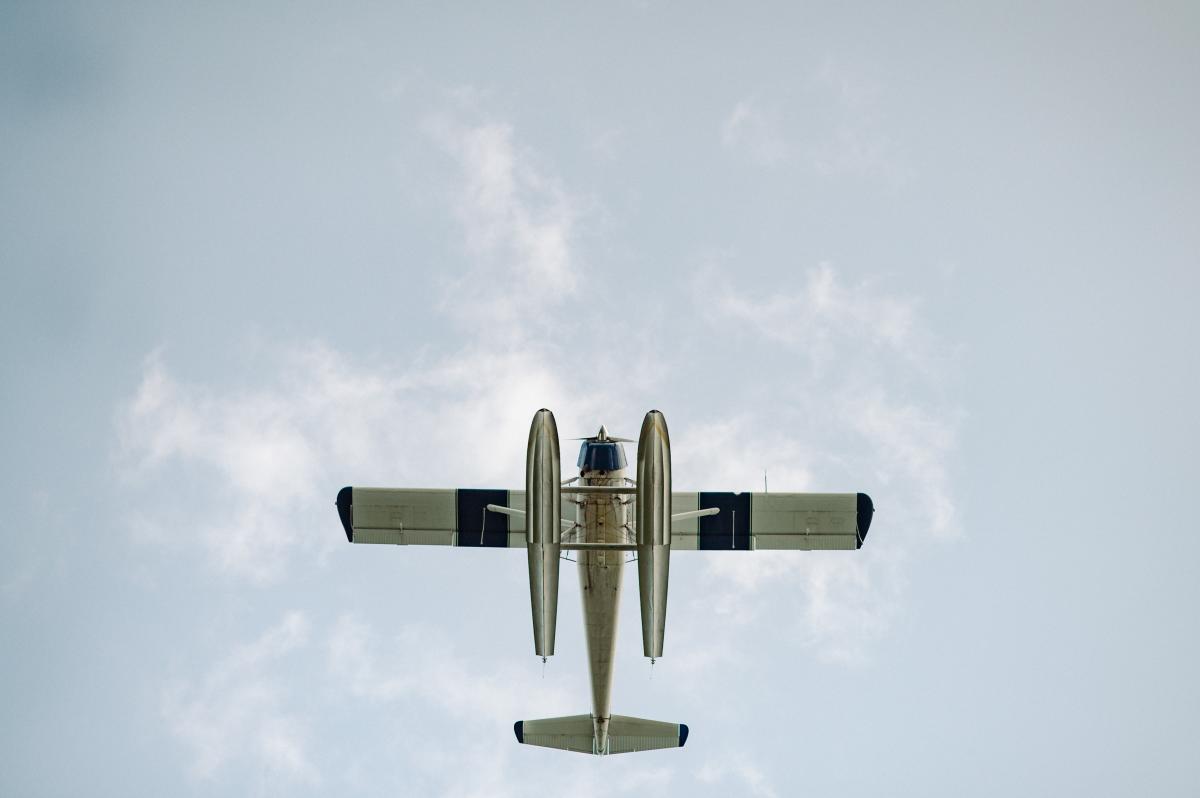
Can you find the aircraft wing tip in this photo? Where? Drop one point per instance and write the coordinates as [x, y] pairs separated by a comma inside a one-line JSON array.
[[866, 510], [345, 499]]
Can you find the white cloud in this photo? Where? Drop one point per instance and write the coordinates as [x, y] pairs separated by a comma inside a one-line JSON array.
[[256, 441], [236, 711], [864, 381], [738, 768], [265, 457], [322, 421], [755, 131], [732, 453], [823, 313], [317, 419], [418, 672], [913, 443], [832, 124], [607, 143], [518, 225], [409, 693], [855, 140], [420, 664]]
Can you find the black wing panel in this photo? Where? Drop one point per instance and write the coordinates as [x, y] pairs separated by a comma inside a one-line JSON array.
[[729, 529]]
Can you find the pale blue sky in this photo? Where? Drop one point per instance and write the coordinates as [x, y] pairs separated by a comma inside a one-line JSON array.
[[943, 255]]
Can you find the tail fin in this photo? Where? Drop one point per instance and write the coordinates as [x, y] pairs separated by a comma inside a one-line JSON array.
[[577, 733]]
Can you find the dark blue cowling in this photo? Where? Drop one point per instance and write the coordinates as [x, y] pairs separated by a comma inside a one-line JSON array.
[[601, 456]]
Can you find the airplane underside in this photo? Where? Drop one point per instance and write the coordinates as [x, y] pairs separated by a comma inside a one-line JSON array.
[[603, 516], [603, 526]]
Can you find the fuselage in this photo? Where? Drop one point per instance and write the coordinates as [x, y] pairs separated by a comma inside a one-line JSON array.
[[601, 518]]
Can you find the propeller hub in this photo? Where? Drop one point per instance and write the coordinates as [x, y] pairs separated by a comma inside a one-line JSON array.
[[603, 437]]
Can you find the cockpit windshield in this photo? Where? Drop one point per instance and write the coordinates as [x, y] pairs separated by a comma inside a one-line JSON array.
[[601, 456]]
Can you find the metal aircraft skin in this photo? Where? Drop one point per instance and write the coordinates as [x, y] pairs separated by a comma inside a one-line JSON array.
[[601, 515]]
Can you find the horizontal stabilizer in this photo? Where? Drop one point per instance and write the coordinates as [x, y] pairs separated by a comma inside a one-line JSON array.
[[625, 734]]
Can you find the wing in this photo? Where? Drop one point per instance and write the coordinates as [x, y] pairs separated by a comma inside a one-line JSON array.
[[745, 521], [448, 517]]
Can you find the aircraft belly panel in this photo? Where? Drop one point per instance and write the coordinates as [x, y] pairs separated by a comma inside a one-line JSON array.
[[600, 575], [602, 519]]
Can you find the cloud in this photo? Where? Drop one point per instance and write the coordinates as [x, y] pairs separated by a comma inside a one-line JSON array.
[[756, 132], [245, 712], [913, 443], [874, 369], [865, 410], [235, 712], [518, 225], [831, 124], [321, 420], [855, 140], [738, 768], [421, 664], [607, 143], [263, 457], [277, 450], [318, 419], [823, 309], [863, 404], [418, 673]]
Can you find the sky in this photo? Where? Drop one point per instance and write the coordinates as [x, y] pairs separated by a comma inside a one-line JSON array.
[[944, 254]]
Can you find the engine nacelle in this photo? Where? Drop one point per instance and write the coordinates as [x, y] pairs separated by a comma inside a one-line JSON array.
[[543, 527], [653, 528]]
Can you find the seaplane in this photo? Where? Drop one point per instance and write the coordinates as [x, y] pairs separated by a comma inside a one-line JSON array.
[[606, 518]]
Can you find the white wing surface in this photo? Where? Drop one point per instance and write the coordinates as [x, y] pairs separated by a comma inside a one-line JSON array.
[[748, 521], [438, 517]]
